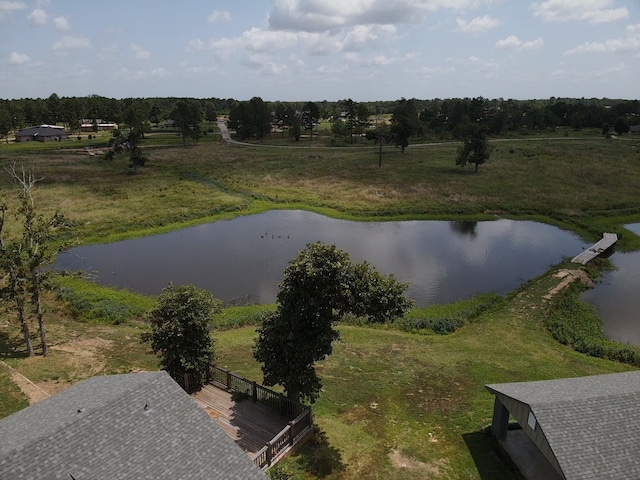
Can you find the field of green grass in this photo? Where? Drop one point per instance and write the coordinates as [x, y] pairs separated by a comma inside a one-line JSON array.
[[395, 404]]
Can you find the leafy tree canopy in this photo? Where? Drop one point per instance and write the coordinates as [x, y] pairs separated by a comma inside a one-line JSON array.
[[475, 148], [404, 122], [320, 285], [180, 332]]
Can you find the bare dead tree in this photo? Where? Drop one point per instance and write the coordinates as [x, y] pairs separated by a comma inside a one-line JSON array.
[[24, 257]]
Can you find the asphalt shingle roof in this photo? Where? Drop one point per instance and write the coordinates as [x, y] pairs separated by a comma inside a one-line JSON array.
[[133, 426], [592, 424]]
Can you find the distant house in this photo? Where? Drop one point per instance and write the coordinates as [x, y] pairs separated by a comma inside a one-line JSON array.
[[42, 133], [634, 129], [133, 426], [585, 428], [97, 125]]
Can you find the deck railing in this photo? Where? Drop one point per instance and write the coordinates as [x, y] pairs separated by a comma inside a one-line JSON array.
[[296, 433]]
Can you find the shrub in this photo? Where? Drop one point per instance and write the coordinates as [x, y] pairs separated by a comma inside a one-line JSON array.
[[578, 325]]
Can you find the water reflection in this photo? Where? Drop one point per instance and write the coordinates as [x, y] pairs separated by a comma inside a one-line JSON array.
[[464, 227], [242, 260], [616, 297]]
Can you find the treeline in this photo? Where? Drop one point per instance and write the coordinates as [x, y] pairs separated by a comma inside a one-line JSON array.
[[72, 111], [436, 116]]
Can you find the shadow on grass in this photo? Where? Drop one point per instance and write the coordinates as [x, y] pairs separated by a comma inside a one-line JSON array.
[[319, 457], [492, 463], [11, 346]]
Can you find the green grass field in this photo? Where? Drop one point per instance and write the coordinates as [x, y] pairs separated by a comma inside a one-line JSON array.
[[395, 404]]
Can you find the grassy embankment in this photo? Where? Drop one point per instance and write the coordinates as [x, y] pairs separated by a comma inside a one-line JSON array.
[[396, 404]]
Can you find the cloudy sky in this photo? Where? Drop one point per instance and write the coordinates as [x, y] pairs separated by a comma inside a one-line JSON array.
[[320, 49]]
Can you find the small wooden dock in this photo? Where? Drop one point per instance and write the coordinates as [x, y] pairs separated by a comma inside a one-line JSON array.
[[607, 241], [250, 424]]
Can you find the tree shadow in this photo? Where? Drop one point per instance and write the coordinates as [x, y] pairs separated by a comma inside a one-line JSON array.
[[11, 346], [491, 461], [319, 457]]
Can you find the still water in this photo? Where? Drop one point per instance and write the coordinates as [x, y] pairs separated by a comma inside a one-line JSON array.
[[617, 296], [242, 260]]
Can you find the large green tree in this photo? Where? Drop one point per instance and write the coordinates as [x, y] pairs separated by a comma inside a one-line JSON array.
[[5, 124], [310, 117], [180, 332], [404, 122], [621, 125], [187, 115], [252, 118], [475, 148], [320, 286]]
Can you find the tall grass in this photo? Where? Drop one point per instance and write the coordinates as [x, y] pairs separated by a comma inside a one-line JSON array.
[[571, 182], [90, 302]]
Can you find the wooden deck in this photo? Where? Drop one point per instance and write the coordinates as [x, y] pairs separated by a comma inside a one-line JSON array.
[[607, 241], [250, 424]]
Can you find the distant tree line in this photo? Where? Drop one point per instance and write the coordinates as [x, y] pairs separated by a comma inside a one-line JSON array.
[[447, 118], [138, 113]]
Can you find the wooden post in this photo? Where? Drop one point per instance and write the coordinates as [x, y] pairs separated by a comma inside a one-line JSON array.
[[254, 391], [269, 454], [291, 424], [228, 379]]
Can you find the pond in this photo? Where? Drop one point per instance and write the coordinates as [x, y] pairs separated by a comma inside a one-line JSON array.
[[616, 296], [242, 260]]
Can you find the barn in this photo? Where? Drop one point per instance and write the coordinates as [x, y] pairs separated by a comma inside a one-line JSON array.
[[42, 133]]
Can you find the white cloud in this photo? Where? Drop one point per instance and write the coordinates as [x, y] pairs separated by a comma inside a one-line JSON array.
[[218, 16], [478, 24], [315, 16], [512, 42], [18, 58], [384, 60], [201, 70], [264, 66], [61, 23], [633, 28], [258, 40], [71, 43], [628, 44], [159, 72], [332, 70], [78, 72], [367, 36], [38, 17], [433, 71], [592, 11], [139, 52], [223, 48], [7, 7], [379, 61]]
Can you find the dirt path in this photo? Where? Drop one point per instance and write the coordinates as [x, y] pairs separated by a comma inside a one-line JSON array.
[[32, 391], [567, 277]]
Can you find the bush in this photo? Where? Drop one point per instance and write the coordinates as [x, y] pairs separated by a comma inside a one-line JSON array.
[[578, 325], [441, 326]]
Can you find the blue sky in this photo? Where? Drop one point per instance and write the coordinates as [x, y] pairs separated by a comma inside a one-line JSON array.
[[320, 49]]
